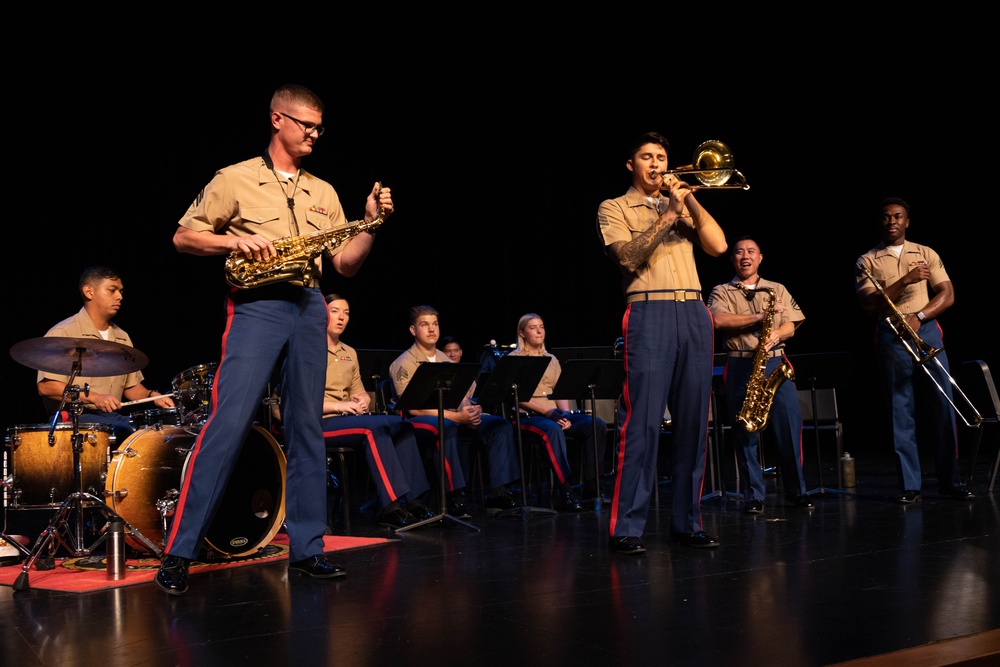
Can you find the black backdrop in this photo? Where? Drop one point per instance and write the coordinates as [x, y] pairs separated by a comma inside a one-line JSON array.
[[497, 165]]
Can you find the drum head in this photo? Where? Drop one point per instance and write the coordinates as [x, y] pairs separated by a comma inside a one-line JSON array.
[[253, 508]]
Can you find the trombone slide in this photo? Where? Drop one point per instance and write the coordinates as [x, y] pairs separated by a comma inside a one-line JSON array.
[[923, 353]]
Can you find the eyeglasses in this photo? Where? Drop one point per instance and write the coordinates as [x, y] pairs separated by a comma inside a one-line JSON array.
[[307, 127]]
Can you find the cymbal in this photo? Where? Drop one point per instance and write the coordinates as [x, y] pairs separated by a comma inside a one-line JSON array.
[[97, 358]]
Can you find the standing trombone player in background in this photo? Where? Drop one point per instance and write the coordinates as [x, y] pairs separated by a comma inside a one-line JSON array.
[[895, 280]]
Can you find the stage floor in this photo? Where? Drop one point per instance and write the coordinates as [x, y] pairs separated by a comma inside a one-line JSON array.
[[859, 576]]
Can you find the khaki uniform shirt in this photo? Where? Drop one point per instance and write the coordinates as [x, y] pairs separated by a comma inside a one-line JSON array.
[[672, 264], [343, 373], [81, 326], [248, 198], [406, 364], [888, 269], [728, 298], [547, 384]]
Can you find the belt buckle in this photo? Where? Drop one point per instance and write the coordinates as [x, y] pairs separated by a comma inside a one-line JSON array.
[[680, 295]]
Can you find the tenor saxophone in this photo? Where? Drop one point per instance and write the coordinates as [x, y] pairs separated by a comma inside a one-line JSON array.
[[293, 256], [761, 388]]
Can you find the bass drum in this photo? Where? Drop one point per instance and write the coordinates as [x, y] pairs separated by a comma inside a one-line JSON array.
[[43, 474], [144, 481]]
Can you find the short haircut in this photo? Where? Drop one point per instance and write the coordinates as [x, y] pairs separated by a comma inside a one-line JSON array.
[[449, 339], [648, 138], [292, 93], [416, 312], [890, 201], [745, 237], [95, 275]]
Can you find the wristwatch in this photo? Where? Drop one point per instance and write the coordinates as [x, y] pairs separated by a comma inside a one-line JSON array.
[[921, 316]]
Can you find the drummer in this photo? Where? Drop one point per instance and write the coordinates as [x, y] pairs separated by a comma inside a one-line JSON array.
[[101, 291]]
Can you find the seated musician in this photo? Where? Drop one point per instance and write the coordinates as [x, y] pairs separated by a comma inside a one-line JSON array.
[[101, 290]]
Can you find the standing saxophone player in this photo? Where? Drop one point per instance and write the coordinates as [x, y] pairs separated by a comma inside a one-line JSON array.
[[246, 208], [756, 330], [909, 273]]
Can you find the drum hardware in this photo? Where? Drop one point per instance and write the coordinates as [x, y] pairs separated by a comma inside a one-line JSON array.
[[193, 393], [53, 355]]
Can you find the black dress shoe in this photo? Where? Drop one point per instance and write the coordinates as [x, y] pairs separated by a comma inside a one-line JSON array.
[[566, 501], [754, 507], [699, 540], [626, 545], [802, 501], [908, 497], [457, 506], [419, 510], [500, 502], [173, 575], [960, 492], [396, 516], [317, 567]]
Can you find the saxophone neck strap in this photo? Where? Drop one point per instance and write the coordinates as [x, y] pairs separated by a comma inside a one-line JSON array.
[[289, 199]]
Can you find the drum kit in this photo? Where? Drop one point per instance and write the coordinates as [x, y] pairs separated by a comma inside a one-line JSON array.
[[73, 467]]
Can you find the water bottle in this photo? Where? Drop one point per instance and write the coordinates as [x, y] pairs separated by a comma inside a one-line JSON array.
[[847, 471], [115, 552]]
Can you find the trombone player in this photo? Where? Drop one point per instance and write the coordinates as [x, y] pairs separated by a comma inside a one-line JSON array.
[[906, 284]]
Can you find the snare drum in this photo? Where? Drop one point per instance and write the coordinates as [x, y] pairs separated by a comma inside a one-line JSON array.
[[193, 393], [43, 474], [146, 472]]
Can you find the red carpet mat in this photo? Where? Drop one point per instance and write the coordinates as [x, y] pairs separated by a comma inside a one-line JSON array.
[[89, 573]]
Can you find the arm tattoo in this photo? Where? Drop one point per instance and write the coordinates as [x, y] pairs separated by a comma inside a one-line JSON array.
[[632, 254]]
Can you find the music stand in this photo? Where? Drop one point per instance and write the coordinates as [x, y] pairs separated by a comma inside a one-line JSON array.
[[505, 379], [374, 365], [433, 386], [713, 460], [583, 379]]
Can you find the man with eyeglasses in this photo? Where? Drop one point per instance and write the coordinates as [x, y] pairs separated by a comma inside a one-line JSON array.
[[243, 210]]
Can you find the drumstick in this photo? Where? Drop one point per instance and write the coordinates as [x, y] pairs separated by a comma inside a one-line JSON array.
[[147, 399]]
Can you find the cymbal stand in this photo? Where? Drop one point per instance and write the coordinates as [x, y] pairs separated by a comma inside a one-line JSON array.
[[59, 531]]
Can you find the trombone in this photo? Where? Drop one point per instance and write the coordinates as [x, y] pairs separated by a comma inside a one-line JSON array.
[[921, 351], [713, 167]]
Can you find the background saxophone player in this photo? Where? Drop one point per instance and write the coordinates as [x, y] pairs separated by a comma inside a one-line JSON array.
[[756, 329], [909, 273], [247, 207]]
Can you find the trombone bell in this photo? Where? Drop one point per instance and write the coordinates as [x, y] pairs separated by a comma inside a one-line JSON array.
[[713, 163], [713, 167]]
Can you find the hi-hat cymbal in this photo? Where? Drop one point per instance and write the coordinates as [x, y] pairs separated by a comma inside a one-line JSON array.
[[98, 358]]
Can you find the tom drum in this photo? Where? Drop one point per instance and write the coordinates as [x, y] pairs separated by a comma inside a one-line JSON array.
[[193, 393], [145, 475], [43, 473]]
